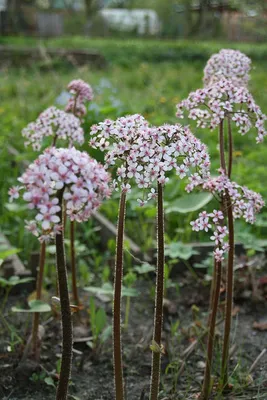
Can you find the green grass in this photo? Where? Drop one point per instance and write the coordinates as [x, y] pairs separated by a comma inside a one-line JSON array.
[[149, 88]]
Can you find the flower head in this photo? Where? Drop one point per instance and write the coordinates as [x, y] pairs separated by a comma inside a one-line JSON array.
[[56, 123], [146, 155], [245, 203], [211, 105], [85, 183], [229, 64], [81, 92]]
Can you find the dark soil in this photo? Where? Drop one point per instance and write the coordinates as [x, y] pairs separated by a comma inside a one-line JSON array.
[[92, 377]]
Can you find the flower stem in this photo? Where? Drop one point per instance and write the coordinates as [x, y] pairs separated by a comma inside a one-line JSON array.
[[62, 389], [230, 269], [117, 352], [221, 144], [39, 285], [73, 264], [158, 317], [212, 323], [230, 148]]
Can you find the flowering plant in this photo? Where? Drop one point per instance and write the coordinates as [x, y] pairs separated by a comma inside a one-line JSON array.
[[211, 105], [81, 92], [245, 204], [85, 183], [229, 64], [56, 123]]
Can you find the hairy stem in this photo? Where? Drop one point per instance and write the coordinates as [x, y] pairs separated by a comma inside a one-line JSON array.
[[229, 293], [230, 148], [118, 275], [221, 144], [62, 389], [39, 285], [211, 334], [73, 264], [158, 317]]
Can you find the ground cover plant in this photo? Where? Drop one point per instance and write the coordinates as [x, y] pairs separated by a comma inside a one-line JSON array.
[[148, 161]]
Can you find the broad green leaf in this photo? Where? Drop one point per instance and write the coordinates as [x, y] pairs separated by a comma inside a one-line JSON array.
[[189, 203], [8, 252], [107, 290], [144, 268], [35, 306], [49, 381], [180, 250]]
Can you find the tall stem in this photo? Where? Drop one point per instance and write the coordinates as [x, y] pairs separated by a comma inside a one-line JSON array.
[[118, 275], [158, 317], [230, 147], [212, 323], [230, 269], [221, 144], [73, 264], [62, 389], [39, 285]]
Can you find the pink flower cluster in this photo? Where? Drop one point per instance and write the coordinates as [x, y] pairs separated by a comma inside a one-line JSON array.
[[229, 64], [56, 123], [246, 204], [211, 105], [81, 92], [214, 220], [85, 183], [147, 154]]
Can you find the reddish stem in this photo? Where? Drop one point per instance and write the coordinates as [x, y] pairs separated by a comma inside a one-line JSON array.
[[39, 285], [118, 275], [212, 323], [158, 318], [62, 389], [73, 264]]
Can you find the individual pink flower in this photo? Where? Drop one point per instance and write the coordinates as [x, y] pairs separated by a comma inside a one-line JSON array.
[[54, 123], [85, 183], [230, 64]]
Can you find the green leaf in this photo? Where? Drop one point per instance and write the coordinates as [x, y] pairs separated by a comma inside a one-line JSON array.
[[35, 306], [49, 381], [144, 268], [107, 290], [9, 252], [14, 280], [189, 203], [105, 335], [100, 320], [180, 250]]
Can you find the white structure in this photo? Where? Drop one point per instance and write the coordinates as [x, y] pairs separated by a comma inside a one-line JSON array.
[[3, 5], [144, 21]]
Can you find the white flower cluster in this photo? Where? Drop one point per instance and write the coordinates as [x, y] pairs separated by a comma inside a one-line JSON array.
[[147, 154], [229, 64], [55, 123]]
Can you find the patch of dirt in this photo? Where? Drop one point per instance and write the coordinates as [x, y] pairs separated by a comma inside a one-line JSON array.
[[92, 377]]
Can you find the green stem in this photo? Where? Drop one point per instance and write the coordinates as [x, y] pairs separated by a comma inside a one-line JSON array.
[[118, 275], [39, 285], [211, 333], [62, 389], [73, 264], [158, 317]]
